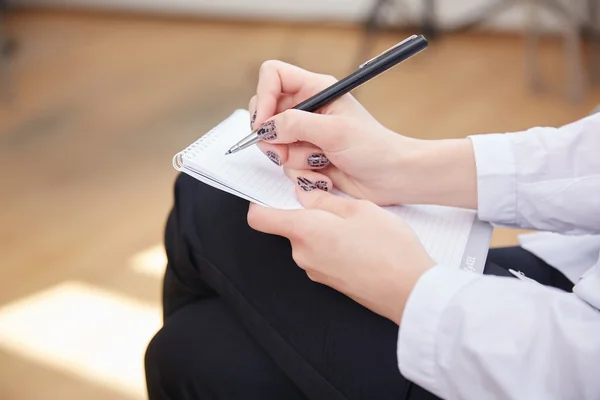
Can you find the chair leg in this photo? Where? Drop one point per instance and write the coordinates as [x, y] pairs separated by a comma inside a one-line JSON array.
[[573, 58], [532, 46], [594, 30], [429, 23], [572, 48], [7, 49], [371, 28]]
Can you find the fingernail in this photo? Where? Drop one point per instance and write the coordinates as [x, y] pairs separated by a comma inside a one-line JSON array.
[[305, 184], [253, 120], [317, 160], [267, 131], [322, 185], [273, 157]]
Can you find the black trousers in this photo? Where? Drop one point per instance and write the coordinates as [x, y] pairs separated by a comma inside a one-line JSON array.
[[242, 321]]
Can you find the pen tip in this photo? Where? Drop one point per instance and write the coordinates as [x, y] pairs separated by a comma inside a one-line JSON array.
[[228, 152]]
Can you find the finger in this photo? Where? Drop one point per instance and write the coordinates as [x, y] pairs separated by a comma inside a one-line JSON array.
[[321, 181], [277, 78], [252, 111], [341, 180], [306, 156], [329, 132], [286, 101], [311, 198], [287, 223], [277, 153]]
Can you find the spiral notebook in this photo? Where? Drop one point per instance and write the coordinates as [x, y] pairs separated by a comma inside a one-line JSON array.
[[453, 237]]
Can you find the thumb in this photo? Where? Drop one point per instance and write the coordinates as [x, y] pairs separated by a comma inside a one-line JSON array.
[[275, 221], [329, 132], [313, 198]]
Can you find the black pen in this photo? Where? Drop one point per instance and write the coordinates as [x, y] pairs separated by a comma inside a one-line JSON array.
[[367, 71]]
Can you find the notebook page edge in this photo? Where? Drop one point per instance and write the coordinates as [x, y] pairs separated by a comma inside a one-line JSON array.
[[477, 247], [218, 185], [216, 170], [178, 158], [473, 253]]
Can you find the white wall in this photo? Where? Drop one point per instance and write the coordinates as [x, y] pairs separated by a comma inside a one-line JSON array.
[[288, 9], [449, 12]]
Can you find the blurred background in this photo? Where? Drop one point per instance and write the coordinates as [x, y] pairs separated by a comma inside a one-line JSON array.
[[96, 96]]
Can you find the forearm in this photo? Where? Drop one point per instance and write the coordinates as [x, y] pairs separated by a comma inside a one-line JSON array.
[[466, 336], [441, 172], [543, 178]]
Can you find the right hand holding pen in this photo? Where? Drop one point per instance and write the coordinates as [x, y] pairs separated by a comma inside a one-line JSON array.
[[341, 145]]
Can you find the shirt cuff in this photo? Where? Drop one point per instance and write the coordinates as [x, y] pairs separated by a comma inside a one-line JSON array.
[[496, 178], [419, 326]]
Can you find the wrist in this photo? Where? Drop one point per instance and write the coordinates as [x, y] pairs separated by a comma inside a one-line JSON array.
[[405, 285], [441, 172]]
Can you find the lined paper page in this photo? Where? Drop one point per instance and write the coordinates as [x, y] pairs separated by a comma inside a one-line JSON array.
[[444, 231], [248, 171]]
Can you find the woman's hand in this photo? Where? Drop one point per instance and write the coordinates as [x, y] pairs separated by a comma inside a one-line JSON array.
[[353, 246], [343, 144]]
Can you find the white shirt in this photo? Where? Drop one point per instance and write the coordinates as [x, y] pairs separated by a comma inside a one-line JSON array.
[[571, 255], [467, 336]]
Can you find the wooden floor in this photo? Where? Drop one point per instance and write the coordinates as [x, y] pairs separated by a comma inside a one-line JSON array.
[[101, 103]]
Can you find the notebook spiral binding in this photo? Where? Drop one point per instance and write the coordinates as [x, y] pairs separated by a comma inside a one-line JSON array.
[[199, 145]]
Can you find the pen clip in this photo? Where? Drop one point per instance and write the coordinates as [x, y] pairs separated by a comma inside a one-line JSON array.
[[388, 50], [522, 276]]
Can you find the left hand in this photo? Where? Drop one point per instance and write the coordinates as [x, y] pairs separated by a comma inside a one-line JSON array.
[[353, 246]]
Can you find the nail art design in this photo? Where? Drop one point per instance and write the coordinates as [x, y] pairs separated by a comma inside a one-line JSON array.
[[322, 185], [317, 160], [253, 120], [273, 157], [305, 184], [267, 131]]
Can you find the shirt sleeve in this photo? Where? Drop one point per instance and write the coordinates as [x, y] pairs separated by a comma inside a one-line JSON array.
[[543, 178], [466, 336]]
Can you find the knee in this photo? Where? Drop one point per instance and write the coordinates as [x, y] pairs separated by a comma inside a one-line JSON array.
[[205, 204], [185, 183], [154, 366], [191, 355], [189, 188], [201, 352], [168, 375], [168, 366], [175, 360]]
